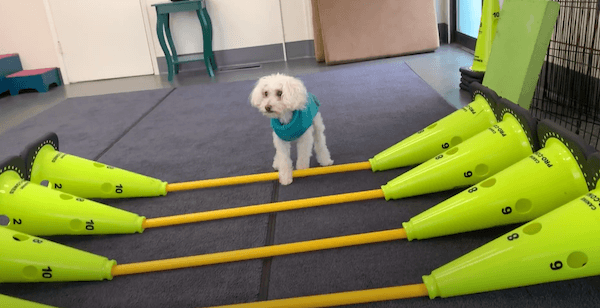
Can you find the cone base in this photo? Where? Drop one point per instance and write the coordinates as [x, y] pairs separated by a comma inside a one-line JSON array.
[[32, 150], [468, 71]]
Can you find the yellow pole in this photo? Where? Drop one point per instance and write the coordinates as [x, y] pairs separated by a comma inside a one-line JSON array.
[[264, 177], [259, 252], [262, 208], [342, 298]]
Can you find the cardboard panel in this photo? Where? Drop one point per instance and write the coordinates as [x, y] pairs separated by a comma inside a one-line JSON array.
[[356, 30]]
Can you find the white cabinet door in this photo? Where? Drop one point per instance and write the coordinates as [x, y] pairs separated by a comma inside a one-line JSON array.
[[101, 39]]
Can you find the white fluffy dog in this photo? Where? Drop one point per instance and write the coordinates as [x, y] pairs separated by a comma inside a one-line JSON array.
[[295, 117]]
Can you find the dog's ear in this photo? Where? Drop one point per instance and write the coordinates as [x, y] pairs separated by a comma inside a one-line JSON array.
[[294, 94], [256, 94]]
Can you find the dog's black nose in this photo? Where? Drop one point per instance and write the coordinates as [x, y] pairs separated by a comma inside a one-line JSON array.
[[268, 108]]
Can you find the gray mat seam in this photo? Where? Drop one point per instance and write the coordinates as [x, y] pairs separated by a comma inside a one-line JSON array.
[[263, 293], [133, 125]]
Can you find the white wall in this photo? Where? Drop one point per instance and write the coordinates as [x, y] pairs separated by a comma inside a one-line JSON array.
[[240, 24], [442, 11], [236, 24], [297, 20], [24, 29]]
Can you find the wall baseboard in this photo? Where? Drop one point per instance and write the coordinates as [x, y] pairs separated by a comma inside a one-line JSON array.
[[248, 57], [300, 49], [466, 41]]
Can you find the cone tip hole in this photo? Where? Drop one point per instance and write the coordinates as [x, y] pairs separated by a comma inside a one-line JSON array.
[[432, 126], [99, 165], [481, 170], [452, 151], [76, 224], [4, 220], [20, 237], [532, 228], [106, 187], [577, 259], [66, 197], [523, 205], [30, 272], [488, 183], [456, 140]]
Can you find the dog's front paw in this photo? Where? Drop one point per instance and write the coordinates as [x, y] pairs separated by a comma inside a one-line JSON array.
[[285, 177], [302, 164], [326, 162]]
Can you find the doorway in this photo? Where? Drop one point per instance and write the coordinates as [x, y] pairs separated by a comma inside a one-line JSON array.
[[468, 17], [101, 39]]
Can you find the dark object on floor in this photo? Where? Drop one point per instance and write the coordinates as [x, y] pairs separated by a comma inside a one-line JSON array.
[[469, 76]]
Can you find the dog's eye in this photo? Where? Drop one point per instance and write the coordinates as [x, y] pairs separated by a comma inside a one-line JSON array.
[[279, 93], [266, 93]]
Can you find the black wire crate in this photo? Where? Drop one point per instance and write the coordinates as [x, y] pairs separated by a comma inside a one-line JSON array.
[[568, 90]]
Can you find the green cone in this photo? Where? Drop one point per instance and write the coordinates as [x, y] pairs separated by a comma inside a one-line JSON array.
[[26, 258], [441, 135], [563, 244], [476, 159], [487, 31], [7, 301], [38, 210], [85, 178], [524, 191]]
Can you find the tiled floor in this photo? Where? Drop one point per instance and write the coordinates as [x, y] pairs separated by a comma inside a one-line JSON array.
[[440, 69]]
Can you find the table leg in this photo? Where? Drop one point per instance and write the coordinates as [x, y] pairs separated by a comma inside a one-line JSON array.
[[209, 23], [206, 43], [160, 25], [172, 45]]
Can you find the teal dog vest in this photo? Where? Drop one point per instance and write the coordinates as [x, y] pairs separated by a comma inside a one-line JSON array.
[[301, 121]]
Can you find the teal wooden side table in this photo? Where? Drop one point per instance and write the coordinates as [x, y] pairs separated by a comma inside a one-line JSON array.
[[163, 29]]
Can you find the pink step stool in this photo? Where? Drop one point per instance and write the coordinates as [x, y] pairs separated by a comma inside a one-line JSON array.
[[38, 79]]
